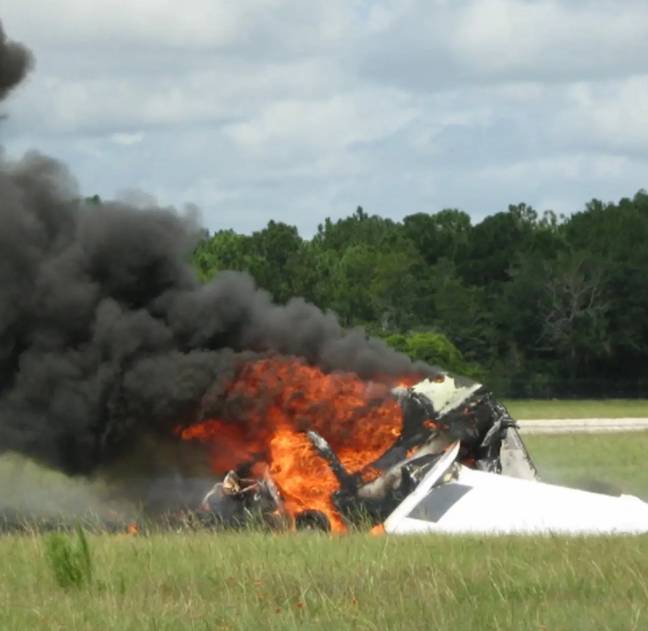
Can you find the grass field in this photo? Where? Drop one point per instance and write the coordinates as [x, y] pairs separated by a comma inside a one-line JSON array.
[[583, 408], [608, 463], [255, 581], [202, 580]]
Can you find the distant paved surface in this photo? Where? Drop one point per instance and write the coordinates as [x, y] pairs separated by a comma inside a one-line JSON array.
[[586, 425]]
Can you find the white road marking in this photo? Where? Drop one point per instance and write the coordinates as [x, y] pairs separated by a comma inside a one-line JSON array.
[[582, 425]]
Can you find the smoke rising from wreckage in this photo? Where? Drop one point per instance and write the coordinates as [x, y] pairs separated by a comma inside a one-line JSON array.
[[111, 351], [106, 336]]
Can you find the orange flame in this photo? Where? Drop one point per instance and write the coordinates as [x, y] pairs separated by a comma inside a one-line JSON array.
[[267, 409], [377, 530], [132, 529]]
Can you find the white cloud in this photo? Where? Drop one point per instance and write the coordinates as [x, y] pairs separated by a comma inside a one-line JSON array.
[[610, 115], [569, 167], [489, 41], [127, 139], [227, 90], [285, 109], [331, 124], [509, 36], [190, 25]]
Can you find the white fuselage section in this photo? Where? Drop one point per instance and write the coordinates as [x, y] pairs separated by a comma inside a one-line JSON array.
[[486, 503]]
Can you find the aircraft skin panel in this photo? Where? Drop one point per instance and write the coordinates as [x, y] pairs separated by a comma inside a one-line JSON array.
[[445, 395], [515, 458], [431, 478], [496, 504]]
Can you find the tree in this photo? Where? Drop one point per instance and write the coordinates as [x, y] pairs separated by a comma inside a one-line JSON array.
[[445, 234], [225, 250], [277, 247], [395, 286], [359, 228], [351, 285], [433, 348], [461, 312], [575, 321]]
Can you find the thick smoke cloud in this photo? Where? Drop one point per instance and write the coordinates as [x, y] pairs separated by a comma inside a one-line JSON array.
[[105, 334], [15, 62]]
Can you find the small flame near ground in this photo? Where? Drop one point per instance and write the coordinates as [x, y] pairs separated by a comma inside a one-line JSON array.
[[269, 406], [132, 529]]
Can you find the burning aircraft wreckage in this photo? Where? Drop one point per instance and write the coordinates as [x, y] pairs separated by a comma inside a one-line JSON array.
[[438, 454]]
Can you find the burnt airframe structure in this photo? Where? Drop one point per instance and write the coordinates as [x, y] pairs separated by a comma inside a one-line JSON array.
[[438, 414]]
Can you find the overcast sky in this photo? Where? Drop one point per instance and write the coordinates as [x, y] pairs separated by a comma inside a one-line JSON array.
[[295, 110]]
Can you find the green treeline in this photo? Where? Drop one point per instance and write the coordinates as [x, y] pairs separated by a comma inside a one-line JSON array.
[[534, 305]]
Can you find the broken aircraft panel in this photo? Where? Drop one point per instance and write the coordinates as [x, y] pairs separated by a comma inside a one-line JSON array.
[[455, 499]]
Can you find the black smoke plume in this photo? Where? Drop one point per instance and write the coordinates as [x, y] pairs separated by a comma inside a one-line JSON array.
[[105, 333], [15, 62]]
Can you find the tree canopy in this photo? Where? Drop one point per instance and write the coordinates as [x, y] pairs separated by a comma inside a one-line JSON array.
[[534, 304]]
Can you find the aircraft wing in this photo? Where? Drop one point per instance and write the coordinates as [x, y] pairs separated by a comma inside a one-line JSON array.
[[455, 499]]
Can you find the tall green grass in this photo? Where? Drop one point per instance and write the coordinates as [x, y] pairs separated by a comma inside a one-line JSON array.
[[310, 581], [69, 558]]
